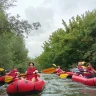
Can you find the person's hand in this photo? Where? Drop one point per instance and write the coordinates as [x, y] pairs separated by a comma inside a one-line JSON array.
[[16, 72], [91, 72], [16, 76], [35, 72], [94, 71], [7, 73]]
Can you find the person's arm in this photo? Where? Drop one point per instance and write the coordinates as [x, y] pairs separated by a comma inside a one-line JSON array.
[[36, 72], [87, 70], [26, 73], [9, 72], [17, 72], [94, 71]]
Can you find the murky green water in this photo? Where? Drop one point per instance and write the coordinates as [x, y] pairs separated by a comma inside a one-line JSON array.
[[60, 87]]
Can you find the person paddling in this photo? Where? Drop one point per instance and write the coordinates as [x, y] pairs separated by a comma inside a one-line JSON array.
[[32, 73], [59, 70], [14, 73], [90, 72], [80, 68]]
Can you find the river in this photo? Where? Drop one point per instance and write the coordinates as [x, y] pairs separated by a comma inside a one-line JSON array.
[[56, 86]]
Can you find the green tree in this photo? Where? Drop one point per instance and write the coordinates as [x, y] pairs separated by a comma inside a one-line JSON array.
[[69, 45], [12, 45]]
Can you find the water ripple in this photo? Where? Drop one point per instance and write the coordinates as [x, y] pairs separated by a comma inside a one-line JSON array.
[[56, 86]]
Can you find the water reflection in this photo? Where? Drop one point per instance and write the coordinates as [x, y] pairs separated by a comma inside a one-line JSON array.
[[60, 87]]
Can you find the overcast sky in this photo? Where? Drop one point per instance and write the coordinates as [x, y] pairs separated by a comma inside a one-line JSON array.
[[50, 14]]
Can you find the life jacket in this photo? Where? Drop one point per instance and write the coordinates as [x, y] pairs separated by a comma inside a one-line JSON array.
[[13, 73], [58, 70], [90, 70], [30, 73], [80, 68]]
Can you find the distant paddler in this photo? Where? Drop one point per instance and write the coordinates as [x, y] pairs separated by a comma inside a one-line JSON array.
[[59, 70]]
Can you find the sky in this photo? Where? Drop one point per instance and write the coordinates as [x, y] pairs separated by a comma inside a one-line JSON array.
[[50, 14]]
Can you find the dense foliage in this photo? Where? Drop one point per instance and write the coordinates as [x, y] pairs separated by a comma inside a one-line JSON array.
[[65, 47], [12, 45], [77, 41]]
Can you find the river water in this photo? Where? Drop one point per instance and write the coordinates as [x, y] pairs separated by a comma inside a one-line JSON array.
[[56, 86]]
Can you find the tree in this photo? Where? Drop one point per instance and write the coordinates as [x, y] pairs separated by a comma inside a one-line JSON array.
[[69, 45], [14, 23], [12, 45]]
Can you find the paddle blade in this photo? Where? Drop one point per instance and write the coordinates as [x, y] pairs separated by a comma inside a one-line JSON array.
[[22, 74], [49, 70], [54, 65], [63, 75], [1, 69], [84, 66], [8, 79], [83, 63]]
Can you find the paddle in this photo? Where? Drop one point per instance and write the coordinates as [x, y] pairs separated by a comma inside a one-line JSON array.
[[55, 65], [1, 69], [63, 75], [22, 74], [49, 70], [9, 79], [84, 67], [83, 63]]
